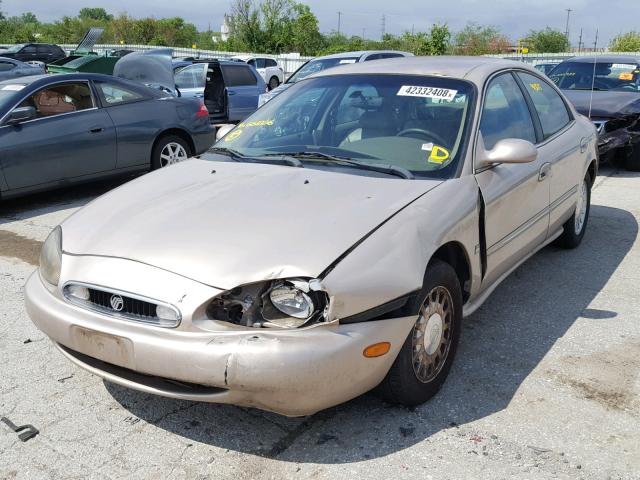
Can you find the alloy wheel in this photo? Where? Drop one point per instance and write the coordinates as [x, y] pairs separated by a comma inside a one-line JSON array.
[[172, 153], [581, 208]]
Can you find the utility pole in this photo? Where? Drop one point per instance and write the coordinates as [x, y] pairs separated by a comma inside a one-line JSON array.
[[339, 18], [566, 30], [363, 30], [580, 42], [384, 26], [595, 44]]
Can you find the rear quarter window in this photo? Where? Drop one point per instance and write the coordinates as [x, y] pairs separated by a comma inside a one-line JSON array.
[[238, 75], [551, 109]]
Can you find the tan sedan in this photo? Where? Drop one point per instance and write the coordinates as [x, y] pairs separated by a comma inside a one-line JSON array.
[[329, 244]]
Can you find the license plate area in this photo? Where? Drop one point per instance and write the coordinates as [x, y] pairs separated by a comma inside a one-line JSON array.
[[108, 348]]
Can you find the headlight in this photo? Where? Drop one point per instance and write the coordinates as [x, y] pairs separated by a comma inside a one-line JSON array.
[[51, 257], [291, 301], [287, 303]]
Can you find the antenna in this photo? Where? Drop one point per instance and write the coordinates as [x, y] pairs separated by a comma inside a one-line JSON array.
[[593, 78]]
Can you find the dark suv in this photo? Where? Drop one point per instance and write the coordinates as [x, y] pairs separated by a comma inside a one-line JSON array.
[[41, 52]]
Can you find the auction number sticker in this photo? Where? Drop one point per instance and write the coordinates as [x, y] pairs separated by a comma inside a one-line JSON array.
[[14, 88], [427, 92]]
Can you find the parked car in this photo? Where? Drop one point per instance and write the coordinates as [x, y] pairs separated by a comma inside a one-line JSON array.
[[10, 68], [607, 90], [230, 89], [84, 59], [61, 129], [545, 68], [331, 243], [41, 52], [267, 67], [329, 61]]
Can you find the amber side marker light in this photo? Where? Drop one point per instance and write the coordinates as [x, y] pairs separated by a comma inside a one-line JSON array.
[[376, 350]]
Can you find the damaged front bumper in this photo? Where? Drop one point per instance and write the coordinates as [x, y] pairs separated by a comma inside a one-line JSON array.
[[291, 372], [621, 133]]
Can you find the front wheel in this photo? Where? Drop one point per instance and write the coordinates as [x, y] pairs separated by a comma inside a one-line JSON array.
[[169, 150], [427, 354], [574, 228]]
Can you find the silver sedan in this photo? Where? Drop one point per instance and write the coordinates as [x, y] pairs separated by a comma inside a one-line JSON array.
[[329, 244]]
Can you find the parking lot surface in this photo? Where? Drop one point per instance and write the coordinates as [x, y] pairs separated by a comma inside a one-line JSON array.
[[546, 382]]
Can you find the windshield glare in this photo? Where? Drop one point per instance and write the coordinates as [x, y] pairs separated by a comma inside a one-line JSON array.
[[315, 66], [417, 123], [623, 77]]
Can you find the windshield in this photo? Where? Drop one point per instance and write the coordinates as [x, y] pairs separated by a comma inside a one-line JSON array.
[[14, 49], [621, 77], [316, 65], [415, 123]]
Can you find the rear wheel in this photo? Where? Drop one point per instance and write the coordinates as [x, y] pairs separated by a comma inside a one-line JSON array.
[[427, 354], [574, 228], [273, 83], [169, 150]]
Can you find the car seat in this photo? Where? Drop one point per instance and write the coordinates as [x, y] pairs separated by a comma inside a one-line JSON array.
[[51, 102]]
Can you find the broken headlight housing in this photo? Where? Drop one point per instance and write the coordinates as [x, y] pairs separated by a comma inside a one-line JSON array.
[[51, 257], [287, 303]]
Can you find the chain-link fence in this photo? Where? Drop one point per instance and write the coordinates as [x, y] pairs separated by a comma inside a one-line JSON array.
[[536, 58]]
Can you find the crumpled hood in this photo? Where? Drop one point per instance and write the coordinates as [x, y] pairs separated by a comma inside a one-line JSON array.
[[226, 224], [150, 67], [605, 104]]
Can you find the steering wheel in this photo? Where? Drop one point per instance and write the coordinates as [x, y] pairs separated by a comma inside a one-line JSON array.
[[423, 132]]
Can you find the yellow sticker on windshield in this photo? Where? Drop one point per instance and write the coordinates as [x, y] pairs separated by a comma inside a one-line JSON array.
[[257, 123], [536, 87], [233, 135], [438, 155], [626, 76]]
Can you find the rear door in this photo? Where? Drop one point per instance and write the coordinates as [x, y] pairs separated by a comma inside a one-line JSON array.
[[44, 53], [28, 53], [243, 88], [516, 196], [559, 147], [70, 138]]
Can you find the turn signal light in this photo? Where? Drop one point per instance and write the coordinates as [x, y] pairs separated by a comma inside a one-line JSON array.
[[376, 350]]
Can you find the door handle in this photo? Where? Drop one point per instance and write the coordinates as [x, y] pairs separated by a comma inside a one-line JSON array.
[[545, 171], [96, 130], [583, 144], [231, 93]]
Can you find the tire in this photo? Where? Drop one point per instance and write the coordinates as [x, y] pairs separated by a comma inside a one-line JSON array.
[[574, 228], [410, 381], [273, 83], [168, 150]]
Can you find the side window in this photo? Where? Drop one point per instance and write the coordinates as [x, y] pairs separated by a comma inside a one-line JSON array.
[[43, 49], [29, 49], [6, 66], [270, 62], [238, 75], [375, 56], [190, 77], [505, 113], [260, 63], [551, 109], [66, 98], [391, 55], [115, 94], [251, 62]]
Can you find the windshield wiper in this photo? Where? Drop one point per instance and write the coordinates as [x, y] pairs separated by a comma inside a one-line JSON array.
[[388, 169], [239, 157]]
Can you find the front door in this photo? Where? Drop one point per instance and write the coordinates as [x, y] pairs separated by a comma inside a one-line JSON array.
[[70, 138], [241, 81], [516, 196]]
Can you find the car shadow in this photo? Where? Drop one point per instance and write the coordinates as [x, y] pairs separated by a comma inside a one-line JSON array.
[[502, 343]]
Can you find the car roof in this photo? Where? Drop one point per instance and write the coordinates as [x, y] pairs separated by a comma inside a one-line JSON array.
[[476, 69], [359, 53], [604, 59]]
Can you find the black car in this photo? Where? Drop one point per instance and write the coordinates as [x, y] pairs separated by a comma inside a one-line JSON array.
[[39, 52], [61, 129], [607, 89]]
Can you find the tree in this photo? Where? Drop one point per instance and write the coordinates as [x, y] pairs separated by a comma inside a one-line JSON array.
[[626, 42], [245, 25], [28, 17], [439, 39], [306, 36], [475, 39], [96, 13], [547, 41], [1, 12]]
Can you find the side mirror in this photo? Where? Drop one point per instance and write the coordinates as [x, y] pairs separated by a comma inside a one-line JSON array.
[[21, 114], [509, 150], [223, 130]]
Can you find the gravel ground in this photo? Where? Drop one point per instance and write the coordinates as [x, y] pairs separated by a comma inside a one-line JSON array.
[[545, 384]]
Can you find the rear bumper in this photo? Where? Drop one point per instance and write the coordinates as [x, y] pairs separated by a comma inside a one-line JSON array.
[[202, 141], [291, 372]]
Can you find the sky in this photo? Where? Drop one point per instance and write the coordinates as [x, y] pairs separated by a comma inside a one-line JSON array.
[[513, 18]]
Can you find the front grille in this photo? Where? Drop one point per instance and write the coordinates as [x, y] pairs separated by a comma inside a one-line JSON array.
[[121, 305]]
